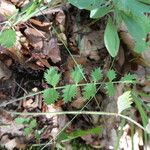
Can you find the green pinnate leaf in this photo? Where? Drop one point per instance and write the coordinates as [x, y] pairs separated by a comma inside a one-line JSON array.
[[22, 120], [96, 75], [28, 131], [124, 101], [89, 91], [111, 38], [110, 89], [69, 92], [33, 123], [52, 76], [129, 78], [111, 74], [7, 38], [77, 74], [50, 95]]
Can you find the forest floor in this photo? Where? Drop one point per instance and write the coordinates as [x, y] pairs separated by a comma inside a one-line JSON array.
[[64, 37]]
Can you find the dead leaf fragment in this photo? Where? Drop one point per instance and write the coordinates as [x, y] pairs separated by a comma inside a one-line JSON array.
[[7, 8], [5, 73], [35, 38], [51, 50]]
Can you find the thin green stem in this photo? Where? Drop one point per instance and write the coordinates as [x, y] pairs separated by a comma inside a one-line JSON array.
[[57, 88], [80, 113]]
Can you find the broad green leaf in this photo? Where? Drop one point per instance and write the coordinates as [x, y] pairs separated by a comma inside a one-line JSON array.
[[110, 89], [77, 74], [96, 74], [69, 92], [52, 76], [100, 12], [87, 4], [50, 96], [118, 17], [89, 91], [145, 1], [124, 101], [111, 74], [137, 29], [129, 78], [133, 6], [7, 38], [111, 38]]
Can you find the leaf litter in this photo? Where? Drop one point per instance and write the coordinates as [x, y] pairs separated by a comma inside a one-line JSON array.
[[38, 47]]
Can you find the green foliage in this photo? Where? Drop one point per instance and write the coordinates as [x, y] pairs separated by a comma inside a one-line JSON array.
[[110, 89], [52, 76], [111, 38], [77, 74], [64, 137], [89, 91], [129, 78], [100, 12], [129, 12], [96, 75], [21, 120], [7, 38], [69, 92], [50, 95], [29, 123], [124, 101], [111, 74]]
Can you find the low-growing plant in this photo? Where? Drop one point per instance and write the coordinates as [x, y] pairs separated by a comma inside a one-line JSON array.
[[125, 102], [29, 123], [8, 35], [131, 13], [89, 90]]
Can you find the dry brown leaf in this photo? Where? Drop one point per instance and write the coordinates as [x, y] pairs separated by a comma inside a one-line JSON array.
[[59, 121], [42, 25], [60, 17], [11, 144], [51, 50], [121, 57], [35, 38], [78, 103], [5, 73], [7, 8]]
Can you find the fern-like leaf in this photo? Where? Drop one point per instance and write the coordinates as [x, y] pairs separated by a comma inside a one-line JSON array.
[[77, 74], [110, 89], [89, 91], [124, 101], [69, 92], [52, 76], [111, 74], [129, 78], [96, 75], [50, 95], [7, 38]]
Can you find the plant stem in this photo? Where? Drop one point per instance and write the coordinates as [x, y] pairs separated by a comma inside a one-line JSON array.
[[79, 113]]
